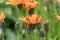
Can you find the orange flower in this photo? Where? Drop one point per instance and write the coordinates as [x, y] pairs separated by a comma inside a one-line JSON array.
[[32, 19], [17, 2], [57, 0], [58, 17], [30, 5], [2, 17], [14, 2]]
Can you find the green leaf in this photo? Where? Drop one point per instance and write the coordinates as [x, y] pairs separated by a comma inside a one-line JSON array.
[[2, 1], [10, 35]]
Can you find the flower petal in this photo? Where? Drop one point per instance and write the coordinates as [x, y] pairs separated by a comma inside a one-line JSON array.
[[39, 19]]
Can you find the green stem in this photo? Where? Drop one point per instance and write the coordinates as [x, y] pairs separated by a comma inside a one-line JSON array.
[[30, 36], [17, 35], [42, 38], [2, 36], [46, 36]]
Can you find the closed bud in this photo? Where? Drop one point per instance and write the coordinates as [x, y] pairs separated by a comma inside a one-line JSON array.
[[46, 26], [2, 25], [17, 26], [41, 33], [31, 27], [20, 6], [31, 11], [38, 26]]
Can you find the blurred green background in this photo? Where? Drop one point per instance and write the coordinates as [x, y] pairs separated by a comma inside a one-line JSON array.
[[13, 14]]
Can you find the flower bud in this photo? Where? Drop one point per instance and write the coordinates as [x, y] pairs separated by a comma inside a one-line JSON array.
[[20, 6], [2, 25], [46, 26], [31, 27], [38, 26], [31, 11], [41, 33], [17, 26]]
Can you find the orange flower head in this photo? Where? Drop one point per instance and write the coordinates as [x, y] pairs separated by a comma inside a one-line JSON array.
[[30, 5], [2, 17], [32, 19], [15, 2], [58, 17]]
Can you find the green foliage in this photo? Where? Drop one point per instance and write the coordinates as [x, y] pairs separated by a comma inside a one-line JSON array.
[[13, 14]]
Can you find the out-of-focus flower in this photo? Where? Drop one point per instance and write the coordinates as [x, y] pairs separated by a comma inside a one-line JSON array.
[[15, 2], [57, 0], [2, 17], [58, 17], [30, 5], [32, 19]]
